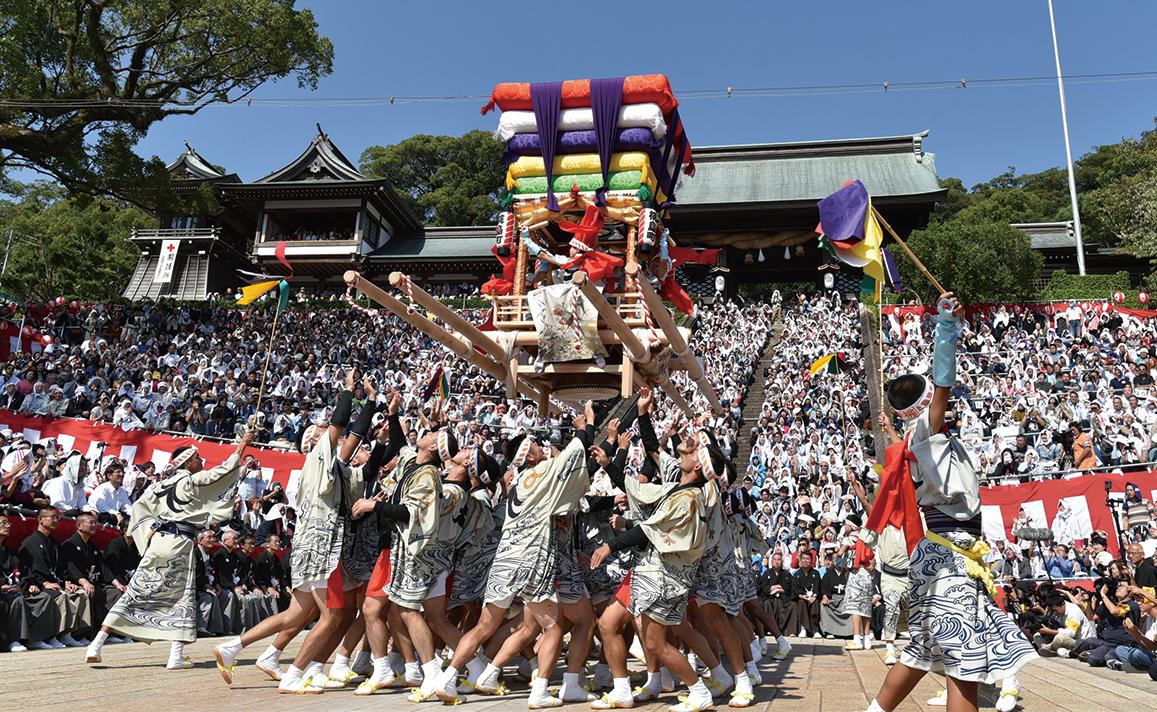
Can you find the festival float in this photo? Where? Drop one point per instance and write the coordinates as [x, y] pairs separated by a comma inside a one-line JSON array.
[[578, 310]]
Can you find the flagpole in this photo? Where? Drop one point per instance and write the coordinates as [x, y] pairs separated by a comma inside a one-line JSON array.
[[268, 356], [1068, 148], [880, 338], [911, 255]]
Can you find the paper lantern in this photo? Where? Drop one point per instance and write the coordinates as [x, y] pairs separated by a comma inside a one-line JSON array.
[[649, 230], [1143, 297], [504, 234], [1118, 296]]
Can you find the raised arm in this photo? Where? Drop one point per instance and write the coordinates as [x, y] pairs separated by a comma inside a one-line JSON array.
[[949, 314]]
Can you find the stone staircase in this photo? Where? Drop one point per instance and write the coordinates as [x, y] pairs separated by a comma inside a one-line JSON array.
[[753, 399]]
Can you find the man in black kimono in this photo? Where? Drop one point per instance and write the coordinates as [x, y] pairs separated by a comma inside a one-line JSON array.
[[805, 588], [227, 564], [269, 573], [209, 619], [775, 586], [40, 572], [30, 621], [80, 565]]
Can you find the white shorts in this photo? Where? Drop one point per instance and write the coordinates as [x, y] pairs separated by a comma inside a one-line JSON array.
[[439, 587], [311, 586]]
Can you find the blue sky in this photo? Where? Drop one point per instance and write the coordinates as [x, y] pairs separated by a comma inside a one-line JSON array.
[[454, 48]]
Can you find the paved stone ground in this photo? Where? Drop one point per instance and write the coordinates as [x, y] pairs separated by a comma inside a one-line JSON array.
[[818, 677]]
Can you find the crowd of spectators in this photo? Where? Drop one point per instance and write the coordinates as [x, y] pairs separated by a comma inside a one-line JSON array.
[[1046, 394], [1039, 396]]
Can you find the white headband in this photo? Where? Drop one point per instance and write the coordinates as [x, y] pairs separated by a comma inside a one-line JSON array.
[[444, 445], [921, 403], [705, 456], [184, 457], [521, 453]]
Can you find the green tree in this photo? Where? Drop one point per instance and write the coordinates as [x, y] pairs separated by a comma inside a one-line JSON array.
[[81, 81], [446, 180], [979, 261], [71, 246]]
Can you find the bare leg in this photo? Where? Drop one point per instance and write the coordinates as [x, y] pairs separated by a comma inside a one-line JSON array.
[[377, 630], [546, 614], [611, 623], [419, 633], [329, 626], [301, 607], [727, 635], [693, 637], [899, 683], [492, 617], [346, 616], [400, 634], [353, 634], [582, 619], [656, 645], [436, 618], [758, 611], [961, 696]]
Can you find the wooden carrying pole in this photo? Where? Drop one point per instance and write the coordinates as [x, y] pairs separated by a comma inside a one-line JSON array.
[[678, 344], [461, 348], [911, 255], [638, 352], [676, 397], [451, 317]]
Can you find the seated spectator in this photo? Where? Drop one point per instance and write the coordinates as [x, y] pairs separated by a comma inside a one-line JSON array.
[[31, 617], [65, 492], [40, 572], [210, 620], [110, 498], [81, 569]]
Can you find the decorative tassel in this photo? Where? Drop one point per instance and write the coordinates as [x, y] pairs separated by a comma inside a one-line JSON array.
[[787, 253], [760, 257], [488, 108]]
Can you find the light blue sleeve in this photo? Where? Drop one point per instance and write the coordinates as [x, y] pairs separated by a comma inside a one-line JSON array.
[[532, 247], [944, 349]]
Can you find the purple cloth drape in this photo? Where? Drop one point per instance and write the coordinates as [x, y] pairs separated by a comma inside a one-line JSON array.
[[668, 181], [546, 99], [606, 98], [583, 141]]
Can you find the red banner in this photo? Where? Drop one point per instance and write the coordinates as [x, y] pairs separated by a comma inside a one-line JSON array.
[[1084, 496], [140, 446]]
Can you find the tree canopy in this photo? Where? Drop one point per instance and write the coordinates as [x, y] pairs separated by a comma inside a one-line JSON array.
[[70, 246], [81, 81], [445, 180], [980, 261]]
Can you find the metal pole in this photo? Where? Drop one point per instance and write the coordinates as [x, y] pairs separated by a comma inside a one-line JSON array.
[[1068, 148], [7, 251]]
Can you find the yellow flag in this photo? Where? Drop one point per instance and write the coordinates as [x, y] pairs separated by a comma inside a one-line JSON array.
[[253, 292], [866, 253]]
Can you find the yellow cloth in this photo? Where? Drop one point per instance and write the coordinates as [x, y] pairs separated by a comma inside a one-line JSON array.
[[251, 293], [577, 163], [973, 560], [866, 253]]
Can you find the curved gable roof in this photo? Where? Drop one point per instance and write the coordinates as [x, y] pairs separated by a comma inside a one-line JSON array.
[[321, 161]]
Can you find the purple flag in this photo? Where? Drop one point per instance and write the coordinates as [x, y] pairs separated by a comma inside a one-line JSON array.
[[891, 271], [546, 99], [606, 98], [842, 213]]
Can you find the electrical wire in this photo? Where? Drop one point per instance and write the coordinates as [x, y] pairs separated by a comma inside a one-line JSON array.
[[693, 94]]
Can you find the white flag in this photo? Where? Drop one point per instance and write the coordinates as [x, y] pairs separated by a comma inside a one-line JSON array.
[[168, 260]]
